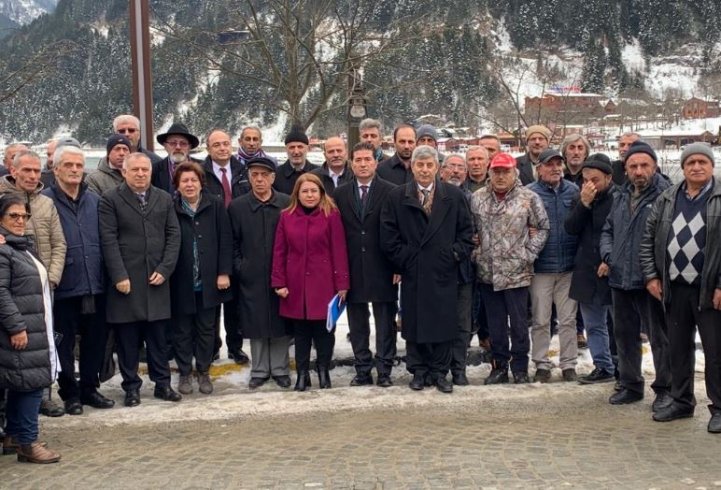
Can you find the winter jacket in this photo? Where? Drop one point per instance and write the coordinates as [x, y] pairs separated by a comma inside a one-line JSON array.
[[22, 307], [653, 255], [84, 271], [559, 252], [44, 227], [525, 169], [506, 252], [622, 234], [104, 179], [286, 176], [328, 184], [394, 171]]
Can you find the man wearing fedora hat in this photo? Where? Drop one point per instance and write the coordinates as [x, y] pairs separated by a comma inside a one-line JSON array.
[[178, 142]]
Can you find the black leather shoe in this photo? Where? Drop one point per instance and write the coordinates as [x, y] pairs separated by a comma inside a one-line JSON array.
[[303, 381], [497, 376], [714, 425], [283, 380], [443, 385], [521, 378], [460, 379], [96, 400], [673, 411], [662, 400], [167, 393], [50, 408], [361, 380], [323, 378], [238, 356], [625, 397], [256, 382], [73, 407], [417, 383], [384, 381], [132, 398]]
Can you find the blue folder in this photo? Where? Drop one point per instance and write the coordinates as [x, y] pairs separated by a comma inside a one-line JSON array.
[[336, 307]]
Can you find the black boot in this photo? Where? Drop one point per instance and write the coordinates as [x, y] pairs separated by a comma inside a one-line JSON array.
[[303, 381], [323, 377]]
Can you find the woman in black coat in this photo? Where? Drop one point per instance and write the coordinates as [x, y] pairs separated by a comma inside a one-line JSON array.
[[201, 280], [28, 361]]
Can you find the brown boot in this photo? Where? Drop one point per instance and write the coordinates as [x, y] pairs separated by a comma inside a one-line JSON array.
[[36, 453], [11, 447]]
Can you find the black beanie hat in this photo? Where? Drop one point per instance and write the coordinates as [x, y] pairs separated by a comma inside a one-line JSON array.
[[118, 139], [296, 134], [640, 147], [599, 161]]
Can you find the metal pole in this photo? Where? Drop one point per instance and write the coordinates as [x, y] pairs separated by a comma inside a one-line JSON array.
[[142, 74]]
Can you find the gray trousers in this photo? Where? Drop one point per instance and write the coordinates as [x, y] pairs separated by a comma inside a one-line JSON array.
[[547, 289], [269, 357]]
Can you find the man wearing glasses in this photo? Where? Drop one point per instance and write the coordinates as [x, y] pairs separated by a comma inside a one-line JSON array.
[[178, 142], [129, 126]]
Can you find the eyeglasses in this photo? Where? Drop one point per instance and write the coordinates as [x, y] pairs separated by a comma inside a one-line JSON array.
[[180, 143], [127, 130], [18, 216]]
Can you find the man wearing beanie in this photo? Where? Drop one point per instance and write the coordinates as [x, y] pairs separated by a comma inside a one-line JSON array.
[[681, 264], [426, 134], [633, 306], [109, 173], [589, 283], [538, 138], [296, 147]]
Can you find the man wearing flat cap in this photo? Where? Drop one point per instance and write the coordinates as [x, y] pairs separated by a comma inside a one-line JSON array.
[[589, 283], [633, 306], [253, 218], [681, 264], [296, 147], [538, 138], [178, 142]]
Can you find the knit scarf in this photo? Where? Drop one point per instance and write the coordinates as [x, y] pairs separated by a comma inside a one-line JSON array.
[[245, 157]]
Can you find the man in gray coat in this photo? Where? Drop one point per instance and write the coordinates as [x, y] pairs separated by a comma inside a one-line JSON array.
[[141, 241]]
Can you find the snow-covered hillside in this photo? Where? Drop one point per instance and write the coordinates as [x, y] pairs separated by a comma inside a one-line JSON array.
[[25, 11]]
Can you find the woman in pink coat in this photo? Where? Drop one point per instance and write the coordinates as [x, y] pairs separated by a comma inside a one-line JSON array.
[[310, 265]]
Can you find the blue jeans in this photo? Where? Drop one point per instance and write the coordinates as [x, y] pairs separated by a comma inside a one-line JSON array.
[[22, 411], [594, 319]]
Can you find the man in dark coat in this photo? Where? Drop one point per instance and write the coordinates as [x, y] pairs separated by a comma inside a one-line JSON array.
[[371, 131], [226, 178], [538, 138], [129, 126], [589, 283], [335, 171], [397, 169], [633, 306], [619, 168], [426, 231], [296, 146], [253, 218], [371, 274], [178, 142], [141, 240], [79, 306]]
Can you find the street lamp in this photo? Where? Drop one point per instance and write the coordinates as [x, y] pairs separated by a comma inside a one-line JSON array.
[[356, 107]]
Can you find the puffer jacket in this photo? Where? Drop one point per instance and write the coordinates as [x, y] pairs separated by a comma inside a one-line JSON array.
[[621, 235], [653, 255], [104, 179], [506, 252], [44, 227], [560, 250], [22, 308]]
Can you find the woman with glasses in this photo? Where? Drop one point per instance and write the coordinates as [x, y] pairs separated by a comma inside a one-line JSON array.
[[28, 361]]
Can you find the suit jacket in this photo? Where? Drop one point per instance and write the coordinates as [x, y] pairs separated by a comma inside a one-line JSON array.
[[238, 183], [328, 184], [371, 273]]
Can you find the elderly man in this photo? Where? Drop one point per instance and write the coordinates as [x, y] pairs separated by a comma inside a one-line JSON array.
[[538, 138], [141, 241], [254, 217], [553, 269], [575, 148], [109, 173], [79, 300], [491, 143], [371, 131], [397, 169], [633, 306], [477, 159], [589, 283], [10, 152], [129, 126], [681, 263], [372, 280], [335, 170], [296, 147], [250, 145], [624, 142], [178, 142], [47, 176], [512, 227], [426, 231]]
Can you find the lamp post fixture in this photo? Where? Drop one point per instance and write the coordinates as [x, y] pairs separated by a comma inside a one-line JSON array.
[[356, 107]]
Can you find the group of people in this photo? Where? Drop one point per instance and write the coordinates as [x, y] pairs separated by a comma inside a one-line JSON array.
[[145, 251]]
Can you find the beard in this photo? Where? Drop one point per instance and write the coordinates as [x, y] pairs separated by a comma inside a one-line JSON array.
[[178, 157]]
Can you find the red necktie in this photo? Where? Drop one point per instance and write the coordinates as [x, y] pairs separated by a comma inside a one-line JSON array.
[[227, 193]]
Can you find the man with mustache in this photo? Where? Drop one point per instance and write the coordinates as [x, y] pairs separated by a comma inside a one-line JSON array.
[[296, 147], [178, 142], [538, 138], [397, 169]]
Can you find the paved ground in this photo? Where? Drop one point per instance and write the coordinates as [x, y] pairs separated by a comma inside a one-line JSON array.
[[533, 436]]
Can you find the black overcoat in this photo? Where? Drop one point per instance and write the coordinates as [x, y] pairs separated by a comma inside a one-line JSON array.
[[427, 250], [137, 243], [371, 273], [253, 224], [286, 176], [211, 228]]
